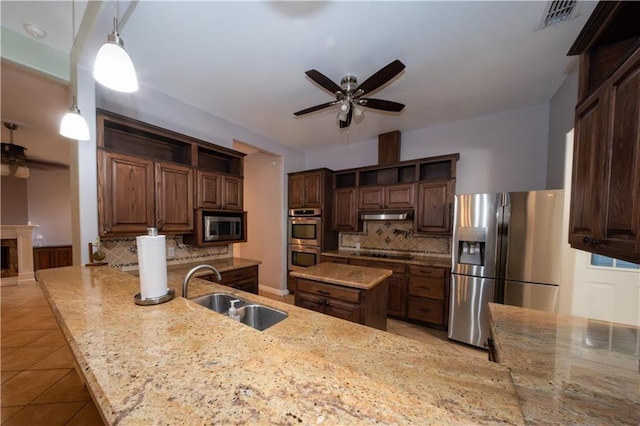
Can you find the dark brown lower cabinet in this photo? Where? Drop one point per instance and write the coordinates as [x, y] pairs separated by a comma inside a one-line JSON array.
[[429, 294], [397, 284], [52, 257], [367, 307], [415, 292], [245, 279]]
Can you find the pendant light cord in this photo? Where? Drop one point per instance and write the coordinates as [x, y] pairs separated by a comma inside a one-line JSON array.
[[72, 71]]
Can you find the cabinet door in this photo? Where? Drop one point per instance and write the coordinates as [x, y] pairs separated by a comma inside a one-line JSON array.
[[125, 194], [63, 256], [209, 190], [397, 301], [43, 258], [296, 191], [345, 212], [174, 198], [313, 189], [232, 193], [343, 310], [399, 196], [622, 216], [371, 197], [589, 171], [434, 207], [249, 285]]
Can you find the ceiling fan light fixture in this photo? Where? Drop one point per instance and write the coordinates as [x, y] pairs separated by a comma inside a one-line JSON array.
[[73, 125], [113, 67], [5, 169], [22, 172]]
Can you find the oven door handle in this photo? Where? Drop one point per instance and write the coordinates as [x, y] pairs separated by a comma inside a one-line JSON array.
[[305, 249]]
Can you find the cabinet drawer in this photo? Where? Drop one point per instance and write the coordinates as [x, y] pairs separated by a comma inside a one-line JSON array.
[[428, 271], [432, 288], [235, 275], [395, 267], [329, 290], [332, 259], [426, 310]]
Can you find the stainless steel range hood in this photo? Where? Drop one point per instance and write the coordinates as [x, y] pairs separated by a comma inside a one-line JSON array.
[[387, 215]]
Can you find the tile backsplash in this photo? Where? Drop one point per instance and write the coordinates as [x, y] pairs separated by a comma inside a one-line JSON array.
[[395, 237], [123, 252]]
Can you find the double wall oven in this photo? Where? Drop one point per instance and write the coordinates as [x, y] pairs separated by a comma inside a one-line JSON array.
[[305, 238]]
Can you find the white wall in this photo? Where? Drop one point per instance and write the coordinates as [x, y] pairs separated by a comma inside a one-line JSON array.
[[50, 205], [264, 206], [156, 108], [561, 119], [15, 201], [506, 151]]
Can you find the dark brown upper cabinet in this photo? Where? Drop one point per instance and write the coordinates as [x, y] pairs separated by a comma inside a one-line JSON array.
[[153, 177], [309, 189], [425, 185], [605, 192]]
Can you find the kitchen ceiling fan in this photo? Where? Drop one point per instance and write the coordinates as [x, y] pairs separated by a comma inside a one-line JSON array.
[[15, 161], [350, 95]]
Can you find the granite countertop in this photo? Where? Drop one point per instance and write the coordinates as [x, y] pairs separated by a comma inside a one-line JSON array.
[[179, 363], [441, 262], [569, 370], [361, 277]]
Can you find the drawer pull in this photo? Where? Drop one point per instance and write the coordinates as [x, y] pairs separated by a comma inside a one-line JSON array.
[[326, 293]]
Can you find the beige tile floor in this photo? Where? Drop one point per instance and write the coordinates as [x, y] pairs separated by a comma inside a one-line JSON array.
[[416, 332], [39, 385]]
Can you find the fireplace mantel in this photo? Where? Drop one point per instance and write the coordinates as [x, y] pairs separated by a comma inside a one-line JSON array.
[[24, 235]]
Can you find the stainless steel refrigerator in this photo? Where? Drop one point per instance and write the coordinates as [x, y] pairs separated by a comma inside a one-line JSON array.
[[506, 248]]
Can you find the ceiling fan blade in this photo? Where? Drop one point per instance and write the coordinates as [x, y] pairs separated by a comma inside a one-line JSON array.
[[323, 81], [37, 163], [315, 108], [347, 122], [381, 77], [381, 104]]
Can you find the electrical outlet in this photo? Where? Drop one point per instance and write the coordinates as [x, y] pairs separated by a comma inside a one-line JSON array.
[[357, 246], [171, 252]]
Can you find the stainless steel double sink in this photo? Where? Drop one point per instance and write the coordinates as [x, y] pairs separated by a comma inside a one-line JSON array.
[[252, 314]]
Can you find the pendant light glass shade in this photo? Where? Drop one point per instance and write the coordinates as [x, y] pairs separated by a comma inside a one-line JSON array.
[[74, 126], [113, 67]]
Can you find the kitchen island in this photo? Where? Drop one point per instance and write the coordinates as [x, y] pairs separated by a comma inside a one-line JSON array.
[[353, 293], [569, 370], [180, 363]]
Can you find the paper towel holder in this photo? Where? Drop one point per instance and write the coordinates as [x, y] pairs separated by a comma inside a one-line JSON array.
[[154, 300], [169, 295]]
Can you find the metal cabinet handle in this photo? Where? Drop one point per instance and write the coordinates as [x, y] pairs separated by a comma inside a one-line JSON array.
[[594, 241], [326, 293]]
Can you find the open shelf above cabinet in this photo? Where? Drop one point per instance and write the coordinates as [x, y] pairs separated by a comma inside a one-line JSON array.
[[425, 169], [125, 135]]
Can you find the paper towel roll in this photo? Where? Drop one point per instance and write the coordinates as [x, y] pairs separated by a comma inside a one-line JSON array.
[[152, 263]]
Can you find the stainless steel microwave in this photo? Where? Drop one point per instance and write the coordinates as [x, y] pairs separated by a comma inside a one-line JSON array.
[[218, 226]]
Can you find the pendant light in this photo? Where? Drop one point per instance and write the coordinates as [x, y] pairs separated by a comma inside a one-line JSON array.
[[113, 67], [73, 124]]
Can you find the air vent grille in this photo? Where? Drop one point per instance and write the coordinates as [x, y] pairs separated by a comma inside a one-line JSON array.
[[557, 11]]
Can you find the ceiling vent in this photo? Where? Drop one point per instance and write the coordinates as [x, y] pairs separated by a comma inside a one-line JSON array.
[[557, 11]]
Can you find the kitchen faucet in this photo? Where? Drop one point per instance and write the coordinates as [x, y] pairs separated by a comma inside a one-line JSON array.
[[185, 283]]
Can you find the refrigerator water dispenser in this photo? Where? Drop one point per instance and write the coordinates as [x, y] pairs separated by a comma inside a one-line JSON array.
[[471, 245]]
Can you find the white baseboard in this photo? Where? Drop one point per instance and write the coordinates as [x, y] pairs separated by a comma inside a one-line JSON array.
[[271, 290]]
